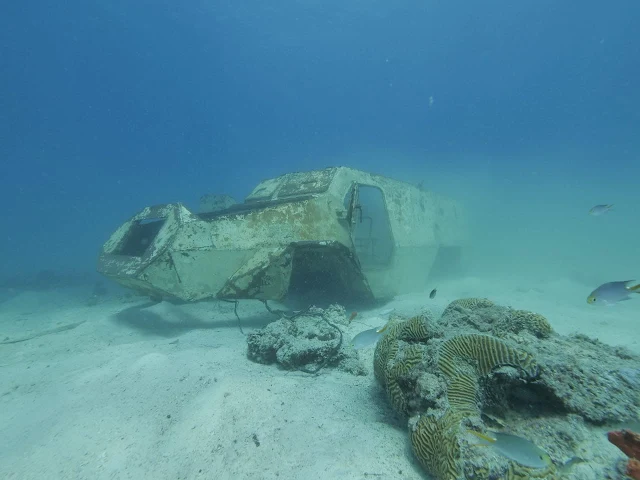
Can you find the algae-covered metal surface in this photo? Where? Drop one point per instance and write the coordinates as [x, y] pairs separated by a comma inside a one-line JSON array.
[[337, 234]]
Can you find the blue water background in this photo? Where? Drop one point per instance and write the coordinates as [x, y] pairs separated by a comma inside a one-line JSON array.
[[528, 112]]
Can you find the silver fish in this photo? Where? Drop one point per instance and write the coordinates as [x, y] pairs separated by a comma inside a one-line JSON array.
[[515, 448], [368, 337], [600, 209], [612, 292]]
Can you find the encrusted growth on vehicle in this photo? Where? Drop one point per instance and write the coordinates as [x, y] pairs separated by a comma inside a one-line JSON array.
[[372, 236]]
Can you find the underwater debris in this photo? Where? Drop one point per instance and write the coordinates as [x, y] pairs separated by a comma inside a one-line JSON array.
[[50, 331], [336, 235]]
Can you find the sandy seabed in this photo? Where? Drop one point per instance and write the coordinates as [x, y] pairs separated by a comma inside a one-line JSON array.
[[121, 390]]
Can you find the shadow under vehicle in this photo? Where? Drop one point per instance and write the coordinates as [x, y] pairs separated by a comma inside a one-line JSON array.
[[337, 235]]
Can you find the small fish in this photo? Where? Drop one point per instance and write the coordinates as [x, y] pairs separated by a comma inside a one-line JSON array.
[[566, 467], [600, 209], [433, 293], [493, 420], [515, 448], [612, 292], [368, 338], [352, 316]]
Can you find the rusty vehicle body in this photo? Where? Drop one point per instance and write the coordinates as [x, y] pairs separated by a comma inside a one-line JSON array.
[[341, 234]]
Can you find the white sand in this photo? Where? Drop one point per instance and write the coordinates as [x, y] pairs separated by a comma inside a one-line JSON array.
[[117, 397]]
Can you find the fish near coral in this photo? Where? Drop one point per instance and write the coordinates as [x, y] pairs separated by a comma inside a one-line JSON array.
[[612, 292], [435, 443], [515, 448], [369, 337]]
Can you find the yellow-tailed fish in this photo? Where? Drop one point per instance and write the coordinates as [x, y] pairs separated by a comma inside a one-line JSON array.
[[515, 448], [600, 209], [369, 337], [612, 292]]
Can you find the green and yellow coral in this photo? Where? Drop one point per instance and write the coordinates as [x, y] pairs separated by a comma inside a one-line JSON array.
[[397, 368], [413, 330], [386, 349], [436, 445], [520, 320], [389, 367], [484, 353], [513, 471], [463, 359], [437, 437], [470, 303], [463, 393], [518, 472]]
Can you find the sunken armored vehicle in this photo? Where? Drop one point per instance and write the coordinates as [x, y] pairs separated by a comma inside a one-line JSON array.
[[333, 235]]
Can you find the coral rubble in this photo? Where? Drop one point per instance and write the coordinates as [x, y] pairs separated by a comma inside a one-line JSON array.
[[308, 342]]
